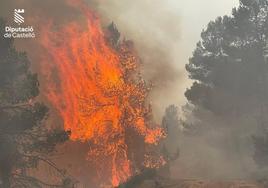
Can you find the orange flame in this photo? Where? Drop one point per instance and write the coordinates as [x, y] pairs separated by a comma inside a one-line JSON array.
[[98, 93]]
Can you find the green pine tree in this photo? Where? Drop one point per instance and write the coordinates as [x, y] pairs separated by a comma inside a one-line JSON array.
[[24, 139]]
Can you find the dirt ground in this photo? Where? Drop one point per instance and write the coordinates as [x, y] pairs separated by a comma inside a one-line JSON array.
[[200, 184]]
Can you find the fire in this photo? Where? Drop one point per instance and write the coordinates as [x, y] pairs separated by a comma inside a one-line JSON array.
[[98, 92]]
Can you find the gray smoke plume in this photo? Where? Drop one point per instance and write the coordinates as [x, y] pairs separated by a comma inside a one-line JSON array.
[[153, 26], [164, 33], [156, 31]]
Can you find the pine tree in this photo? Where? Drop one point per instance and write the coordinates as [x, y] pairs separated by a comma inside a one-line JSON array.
[[230, 71], [24, 139], [228, 64]]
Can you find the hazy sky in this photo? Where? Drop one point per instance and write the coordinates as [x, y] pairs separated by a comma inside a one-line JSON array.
[[165, 31], [194, 15]]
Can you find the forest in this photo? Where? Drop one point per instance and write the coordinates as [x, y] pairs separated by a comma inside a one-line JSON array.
[[77, 110]]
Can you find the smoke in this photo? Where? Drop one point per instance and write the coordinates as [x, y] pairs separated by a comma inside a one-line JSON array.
[[153, 26], [164, 33], [71, 156], [218, 148], [156, 31], [154, 46]]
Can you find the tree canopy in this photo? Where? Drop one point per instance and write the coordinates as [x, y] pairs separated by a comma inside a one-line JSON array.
[[229, 65], [24, 139]]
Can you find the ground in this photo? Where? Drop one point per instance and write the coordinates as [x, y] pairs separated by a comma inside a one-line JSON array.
[[199, 184]]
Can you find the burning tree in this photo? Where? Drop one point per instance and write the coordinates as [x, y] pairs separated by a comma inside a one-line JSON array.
[[24, 140], [94, 83]]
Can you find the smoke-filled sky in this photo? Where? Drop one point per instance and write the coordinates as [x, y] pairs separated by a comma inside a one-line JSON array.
[[165, 34]]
